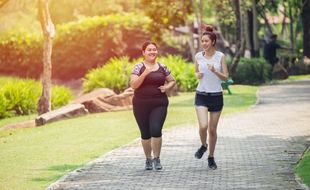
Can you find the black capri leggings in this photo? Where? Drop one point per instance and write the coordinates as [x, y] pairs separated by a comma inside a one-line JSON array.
[[150, 116]]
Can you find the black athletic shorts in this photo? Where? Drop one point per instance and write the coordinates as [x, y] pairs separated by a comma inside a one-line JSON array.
[[213, 101]]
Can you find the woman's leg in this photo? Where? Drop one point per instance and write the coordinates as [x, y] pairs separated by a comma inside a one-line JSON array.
[[142, 117], [147, 148], [214, 118], [202, 115], [156, 146], [157, 119]]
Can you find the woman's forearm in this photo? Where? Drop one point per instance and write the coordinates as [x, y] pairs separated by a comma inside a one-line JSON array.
[[170, 84], [136, 83], [222, 76]]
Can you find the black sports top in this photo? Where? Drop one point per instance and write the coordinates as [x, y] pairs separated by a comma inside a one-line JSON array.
[[149, 87]]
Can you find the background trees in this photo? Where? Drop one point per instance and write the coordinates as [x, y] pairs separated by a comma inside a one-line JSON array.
[[305, 12], [243, 26]]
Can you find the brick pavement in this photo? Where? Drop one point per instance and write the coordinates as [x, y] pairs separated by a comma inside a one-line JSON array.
[[256, 149]]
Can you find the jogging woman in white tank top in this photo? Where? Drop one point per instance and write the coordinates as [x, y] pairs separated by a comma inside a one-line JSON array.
[[211, 69]]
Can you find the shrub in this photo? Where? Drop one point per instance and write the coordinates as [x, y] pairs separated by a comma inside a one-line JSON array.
[[3, 106], [20, 97], [60, 96], [183, 72], [78, 46], [115, 74], [252, 71]]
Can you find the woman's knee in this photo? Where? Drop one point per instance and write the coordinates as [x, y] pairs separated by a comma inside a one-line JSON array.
[[156, 130], [203, 127], [157, 135], [212, 131], [146, 136]]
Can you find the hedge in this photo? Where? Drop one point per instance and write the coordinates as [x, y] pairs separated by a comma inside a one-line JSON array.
[[78, 46]]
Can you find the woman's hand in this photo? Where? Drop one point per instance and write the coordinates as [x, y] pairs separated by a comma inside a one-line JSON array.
[[199, 75], [163, 88], [147, 71], [211, 68]]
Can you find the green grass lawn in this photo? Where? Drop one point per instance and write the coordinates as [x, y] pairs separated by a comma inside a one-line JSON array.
[[12, 120], [303, 168], [33, 158], [291, 78]]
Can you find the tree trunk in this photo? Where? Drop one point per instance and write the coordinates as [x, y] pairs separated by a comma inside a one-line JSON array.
[[239, 38], [190, 40], [262, 13], [222, 38], [255, 31], [291, 28], [247, 34], [306, 25], [283, 22], [198, 15], [44, 104], [201, 10]]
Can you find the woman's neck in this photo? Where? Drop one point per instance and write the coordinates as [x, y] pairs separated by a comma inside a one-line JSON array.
[[209, 52], [149, 62]]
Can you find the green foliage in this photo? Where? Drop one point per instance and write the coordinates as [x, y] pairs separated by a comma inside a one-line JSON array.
[[20, 97], [114, 74], [224, 10], [22, 14], [3, 105], [60, 96], [78, 46], [175, 44], [70, 10], [21, 54], [252, 71], [166, 14], [183, 72]]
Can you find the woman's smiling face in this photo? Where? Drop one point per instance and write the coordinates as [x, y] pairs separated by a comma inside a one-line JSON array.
[[206, 42], [150, 52]]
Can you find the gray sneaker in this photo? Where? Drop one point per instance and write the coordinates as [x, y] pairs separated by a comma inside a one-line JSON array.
[[157, 164], [201, 151], [211, 163], [148, 164]]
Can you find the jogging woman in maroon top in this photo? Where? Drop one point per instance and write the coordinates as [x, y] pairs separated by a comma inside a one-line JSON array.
[[151, 80]]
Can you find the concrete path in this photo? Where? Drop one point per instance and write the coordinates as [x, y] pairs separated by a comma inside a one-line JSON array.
[[257, 149]]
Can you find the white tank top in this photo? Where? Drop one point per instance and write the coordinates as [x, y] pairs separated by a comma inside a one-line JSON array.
[[209, 82]]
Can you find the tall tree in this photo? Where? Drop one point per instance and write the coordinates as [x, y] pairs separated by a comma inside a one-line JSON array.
[[48, 29], [291, 27], [239, 37], [199, 11], [167, 15], [306, 25], [261, 9], [255, 52]]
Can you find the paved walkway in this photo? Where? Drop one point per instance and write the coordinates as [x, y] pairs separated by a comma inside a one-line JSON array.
[[256, 149]]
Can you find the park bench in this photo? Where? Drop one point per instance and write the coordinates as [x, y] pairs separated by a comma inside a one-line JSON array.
[[225, 85]]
